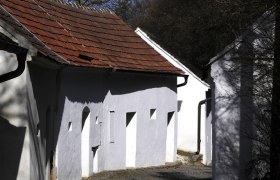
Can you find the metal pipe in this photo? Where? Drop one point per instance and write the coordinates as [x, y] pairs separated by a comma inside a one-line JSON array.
[[199, 123], [185, 80], [21, 54]]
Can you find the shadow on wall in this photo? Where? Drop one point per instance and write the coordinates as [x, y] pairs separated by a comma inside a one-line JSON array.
[[125, 83], [227, 138], [226, 124], [12, 108], [234, 104], [53, 87], [11, 144], [117, 83], [243, 82]]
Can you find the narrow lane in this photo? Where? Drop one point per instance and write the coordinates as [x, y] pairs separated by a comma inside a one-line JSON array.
[[176, 172]]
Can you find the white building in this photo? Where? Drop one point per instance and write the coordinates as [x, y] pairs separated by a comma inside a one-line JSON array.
[[188, 99], [88, 94], [241, 93]]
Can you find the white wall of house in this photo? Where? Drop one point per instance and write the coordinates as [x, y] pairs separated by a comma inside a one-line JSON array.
[[238, 85], [18, 150], [21, 143], [188, 98], [232, 119], [226, 118], [120, 107], [14, 133], [44, 107]]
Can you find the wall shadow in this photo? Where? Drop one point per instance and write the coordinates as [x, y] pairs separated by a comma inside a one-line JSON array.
[[117, 83], [11, 145], [242, 77], [53, 87], [12, 109]]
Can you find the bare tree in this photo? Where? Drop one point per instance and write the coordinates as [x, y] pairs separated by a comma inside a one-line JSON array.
[[86, 2]]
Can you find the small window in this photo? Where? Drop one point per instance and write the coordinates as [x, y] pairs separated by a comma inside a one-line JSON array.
[[70, 126], [153, 114], [129, 117], [85, 116], [95, 158], [38, 129], [96, 120], [169, 117], [94, 150]]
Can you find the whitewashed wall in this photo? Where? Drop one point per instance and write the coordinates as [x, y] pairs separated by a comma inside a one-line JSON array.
[[188, 98], [44, 101], [17, 149], [14, 133], [238, 90], [109, 97], [226, 116], [119, 95], [21, 148]]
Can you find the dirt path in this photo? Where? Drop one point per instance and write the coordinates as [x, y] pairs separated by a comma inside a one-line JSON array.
[[174, 172]]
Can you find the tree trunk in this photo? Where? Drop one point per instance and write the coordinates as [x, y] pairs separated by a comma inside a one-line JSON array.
[[275, 119]]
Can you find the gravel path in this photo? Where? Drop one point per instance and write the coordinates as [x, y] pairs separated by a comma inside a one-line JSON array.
[[174, 172]]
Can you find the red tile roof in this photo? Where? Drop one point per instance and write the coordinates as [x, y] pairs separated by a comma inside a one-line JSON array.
[[64, 33]]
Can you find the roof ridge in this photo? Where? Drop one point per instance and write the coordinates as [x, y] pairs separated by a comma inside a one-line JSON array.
[[83, 7]]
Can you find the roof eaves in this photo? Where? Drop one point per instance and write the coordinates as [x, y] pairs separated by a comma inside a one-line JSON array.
[[30, 36], [167, 55]]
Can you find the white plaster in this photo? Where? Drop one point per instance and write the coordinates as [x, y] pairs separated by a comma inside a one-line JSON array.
[[56, 158], [227, 115], [188, 96], [7, 60], [103, 94], [67, 92], [207, 141], [232, 105], [16, 130]]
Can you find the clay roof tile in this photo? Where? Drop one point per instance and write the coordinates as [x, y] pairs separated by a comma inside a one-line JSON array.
[[64, 33]]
